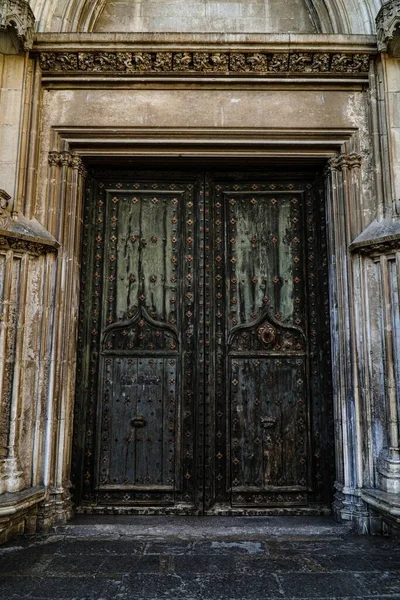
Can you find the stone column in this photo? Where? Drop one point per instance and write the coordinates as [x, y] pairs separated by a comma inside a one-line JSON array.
[[388, 32], [16, 36], [343, 198], [66, 184]]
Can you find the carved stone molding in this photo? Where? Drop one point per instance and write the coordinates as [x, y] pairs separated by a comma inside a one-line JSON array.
[[34, 247], [67, 159], [18, 15], [223, 63], [388, 28], [21, 234], [378, 247], [380, 237]]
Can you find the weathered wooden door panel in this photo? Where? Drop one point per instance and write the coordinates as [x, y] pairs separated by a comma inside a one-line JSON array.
[[269, 441], [265, 317], [203, 376], [138, 383]]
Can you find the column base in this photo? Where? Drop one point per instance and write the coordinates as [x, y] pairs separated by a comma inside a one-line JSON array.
[[389, 475], [387, 506], [57, 509], [350, 506], [13, 476]]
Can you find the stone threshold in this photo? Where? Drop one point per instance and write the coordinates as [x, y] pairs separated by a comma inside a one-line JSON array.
[[275, 528]]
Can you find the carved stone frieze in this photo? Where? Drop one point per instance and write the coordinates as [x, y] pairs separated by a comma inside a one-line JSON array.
[[18, 15], [388, 28], [67, 159], [7, 242], [204, 62]]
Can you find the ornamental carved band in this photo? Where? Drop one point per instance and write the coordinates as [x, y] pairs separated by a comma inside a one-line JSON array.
[[388, 28], [18, 15], [67, 159], [204, 62]]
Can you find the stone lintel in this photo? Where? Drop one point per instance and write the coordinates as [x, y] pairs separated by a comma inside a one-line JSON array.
[[388, 28], [17, 16]]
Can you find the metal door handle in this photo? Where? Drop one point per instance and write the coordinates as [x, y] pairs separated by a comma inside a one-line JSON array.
[[138, 422]]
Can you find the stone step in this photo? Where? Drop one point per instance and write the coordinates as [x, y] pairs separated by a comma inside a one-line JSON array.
[[278, 528]]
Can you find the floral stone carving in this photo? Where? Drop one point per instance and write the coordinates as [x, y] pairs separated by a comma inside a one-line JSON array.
[[223, 63]]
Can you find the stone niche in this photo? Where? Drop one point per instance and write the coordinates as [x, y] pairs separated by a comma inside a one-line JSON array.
[[227, 16]]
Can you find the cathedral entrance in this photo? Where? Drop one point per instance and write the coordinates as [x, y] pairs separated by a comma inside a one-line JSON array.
[[204, 376]]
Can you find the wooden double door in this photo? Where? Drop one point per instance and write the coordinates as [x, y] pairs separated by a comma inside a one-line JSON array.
[[204, 356]]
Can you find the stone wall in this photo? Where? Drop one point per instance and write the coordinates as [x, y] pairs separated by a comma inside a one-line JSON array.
[[230, 16], [328, 16]]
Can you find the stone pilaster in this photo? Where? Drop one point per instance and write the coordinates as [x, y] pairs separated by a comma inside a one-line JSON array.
[[388, 31], [343, 176], [389, 464], [19, 239], [384, 244], [66, 176]]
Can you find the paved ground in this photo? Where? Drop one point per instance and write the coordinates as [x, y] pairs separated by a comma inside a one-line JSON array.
[[200, 559]]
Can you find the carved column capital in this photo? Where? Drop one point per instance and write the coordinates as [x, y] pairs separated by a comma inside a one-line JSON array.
[[67, 159], [388, 28], [18, 15], [343, 161]]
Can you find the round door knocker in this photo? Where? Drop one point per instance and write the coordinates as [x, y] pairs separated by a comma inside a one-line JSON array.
[[267, 334]]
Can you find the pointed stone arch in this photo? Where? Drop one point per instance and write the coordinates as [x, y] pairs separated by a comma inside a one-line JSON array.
[[329, 16]]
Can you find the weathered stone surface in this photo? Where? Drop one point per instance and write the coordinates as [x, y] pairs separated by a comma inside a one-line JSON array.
[[206, 15], [18, 15], [388, 28], [240, 562], [355, 16]]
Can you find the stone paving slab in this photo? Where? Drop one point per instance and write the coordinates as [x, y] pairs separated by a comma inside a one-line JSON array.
[[251, 562]]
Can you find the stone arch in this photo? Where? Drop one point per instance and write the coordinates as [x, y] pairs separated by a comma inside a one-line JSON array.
[[328, 16]]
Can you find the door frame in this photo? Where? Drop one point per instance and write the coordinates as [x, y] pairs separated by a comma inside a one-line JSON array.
[[339, 148]]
